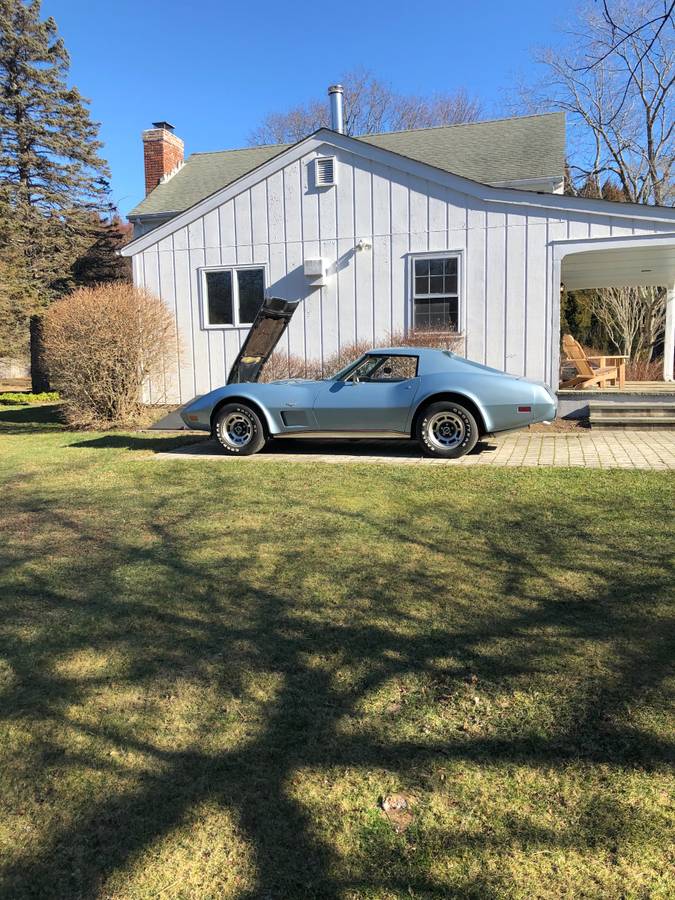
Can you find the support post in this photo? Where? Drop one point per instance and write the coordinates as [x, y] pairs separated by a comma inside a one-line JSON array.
[[669, 338]]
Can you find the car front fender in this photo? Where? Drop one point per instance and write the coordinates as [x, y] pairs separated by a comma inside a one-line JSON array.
[[198, 413]]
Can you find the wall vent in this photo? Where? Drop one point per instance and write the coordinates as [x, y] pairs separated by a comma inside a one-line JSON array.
[[325, 171]]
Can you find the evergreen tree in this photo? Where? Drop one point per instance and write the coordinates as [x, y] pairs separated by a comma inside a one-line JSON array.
[[51, 174], [101, 263]]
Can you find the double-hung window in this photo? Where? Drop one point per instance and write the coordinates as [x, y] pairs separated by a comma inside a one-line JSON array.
[[232, 296], [435, 293]]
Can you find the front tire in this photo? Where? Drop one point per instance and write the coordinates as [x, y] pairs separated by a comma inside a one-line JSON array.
[[238, 430], [446, 430]]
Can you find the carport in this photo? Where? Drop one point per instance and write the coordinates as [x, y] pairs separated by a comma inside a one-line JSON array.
[[626, 261]]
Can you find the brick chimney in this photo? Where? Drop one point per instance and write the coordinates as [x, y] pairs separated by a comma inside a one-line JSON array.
[[162, 153]]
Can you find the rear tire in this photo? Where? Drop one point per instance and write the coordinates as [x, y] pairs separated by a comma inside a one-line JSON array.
[[238, 430], [446, 430]]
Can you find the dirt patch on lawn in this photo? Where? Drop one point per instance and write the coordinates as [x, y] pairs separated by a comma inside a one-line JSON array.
[[559, 425]]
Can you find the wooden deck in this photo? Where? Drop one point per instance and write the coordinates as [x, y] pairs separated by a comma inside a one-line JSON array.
[[630, 387], [636, 403]]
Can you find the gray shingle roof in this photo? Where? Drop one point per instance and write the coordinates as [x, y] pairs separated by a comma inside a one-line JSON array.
[[490, 152]]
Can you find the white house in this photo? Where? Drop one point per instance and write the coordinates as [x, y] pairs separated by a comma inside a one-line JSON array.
[[461, 228]]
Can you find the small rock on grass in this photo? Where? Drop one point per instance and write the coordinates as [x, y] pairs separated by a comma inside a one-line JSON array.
[[396, 809]]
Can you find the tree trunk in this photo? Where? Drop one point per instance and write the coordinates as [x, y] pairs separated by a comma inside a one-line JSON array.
[[39, 373]]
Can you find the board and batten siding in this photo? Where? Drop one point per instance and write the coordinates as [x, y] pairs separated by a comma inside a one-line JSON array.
[[508, 303]]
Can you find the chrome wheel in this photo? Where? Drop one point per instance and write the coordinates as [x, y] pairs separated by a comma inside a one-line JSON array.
[[446, 430], [237, 430]]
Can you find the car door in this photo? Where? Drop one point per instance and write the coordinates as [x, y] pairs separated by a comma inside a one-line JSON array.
[[376, 395]]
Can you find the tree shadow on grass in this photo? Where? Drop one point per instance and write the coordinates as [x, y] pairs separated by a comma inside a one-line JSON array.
[[209, 615], [141, 441], [35, 417], [40, 418]]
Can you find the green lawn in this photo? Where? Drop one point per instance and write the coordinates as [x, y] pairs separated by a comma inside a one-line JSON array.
[[212, 672]]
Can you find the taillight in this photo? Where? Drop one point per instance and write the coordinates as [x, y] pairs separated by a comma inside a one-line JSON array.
[[524, 409]]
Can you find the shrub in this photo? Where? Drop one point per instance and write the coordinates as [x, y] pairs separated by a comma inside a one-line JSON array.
[[640, 370], [17, 398], [283, 365], [103, 345]]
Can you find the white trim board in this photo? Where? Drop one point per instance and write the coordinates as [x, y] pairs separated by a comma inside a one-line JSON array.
[[563, 248], [616, 262]]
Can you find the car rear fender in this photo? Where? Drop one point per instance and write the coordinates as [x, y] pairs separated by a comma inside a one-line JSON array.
[[464, 399]]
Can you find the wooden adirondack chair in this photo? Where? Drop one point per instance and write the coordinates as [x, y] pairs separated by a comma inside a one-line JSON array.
[[608, 369]]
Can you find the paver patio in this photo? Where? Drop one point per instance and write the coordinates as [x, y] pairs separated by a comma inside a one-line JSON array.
[[619, 449]]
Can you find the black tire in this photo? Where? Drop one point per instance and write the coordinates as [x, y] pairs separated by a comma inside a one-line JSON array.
[[446, 430], [238, 430]]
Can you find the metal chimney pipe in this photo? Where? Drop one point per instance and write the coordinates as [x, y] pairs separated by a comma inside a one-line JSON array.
[[337, 121]]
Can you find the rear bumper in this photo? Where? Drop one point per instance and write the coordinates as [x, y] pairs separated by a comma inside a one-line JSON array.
[[545, 412]]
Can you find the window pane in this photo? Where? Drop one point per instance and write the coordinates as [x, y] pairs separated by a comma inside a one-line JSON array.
[[453, 314], [450, 284], [251, 293], [422, 285], [219, 298], [441, 278], [396, 368], [437, 314], [386, 368], [364, 369], [422, 314]]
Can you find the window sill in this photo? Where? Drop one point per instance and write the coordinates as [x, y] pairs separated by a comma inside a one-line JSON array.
[[226, 327], [449, 336]]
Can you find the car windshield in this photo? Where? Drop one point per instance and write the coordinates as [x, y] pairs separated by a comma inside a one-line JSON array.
[[340, 374]]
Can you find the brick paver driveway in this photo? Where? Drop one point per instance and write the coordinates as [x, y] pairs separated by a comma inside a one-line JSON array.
[[595, 449]]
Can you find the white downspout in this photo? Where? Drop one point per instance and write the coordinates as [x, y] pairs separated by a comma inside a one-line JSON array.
[[669, 341]]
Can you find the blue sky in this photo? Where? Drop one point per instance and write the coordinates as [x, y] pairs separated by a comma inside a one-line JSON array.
[[215, 69]]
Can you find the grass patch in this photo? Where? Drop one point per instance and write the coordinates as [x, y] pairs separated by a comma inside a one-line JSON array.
[[211, 675], [21, 398]]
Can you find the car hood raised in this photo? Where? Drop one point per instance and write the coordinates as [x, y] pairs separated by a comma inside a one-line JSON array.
[[263, 336]]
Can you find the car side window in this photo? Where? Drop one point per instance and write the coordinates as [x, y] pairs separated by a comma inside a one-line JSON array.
[[385, 368]]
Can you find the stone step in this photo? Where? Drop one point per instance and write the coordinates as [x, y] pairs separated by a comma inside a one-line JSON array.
[[634, 410], [638, 422]]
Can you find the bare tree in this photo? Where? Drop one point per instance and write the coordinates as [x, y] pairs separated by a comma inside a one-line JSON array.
[[371, 106], [615, 79], [632, 317], [655, 20]]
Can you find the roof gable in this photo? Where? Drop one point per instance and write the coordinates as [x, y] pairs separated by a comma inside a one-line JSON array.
[[517, 149], [526, 200]]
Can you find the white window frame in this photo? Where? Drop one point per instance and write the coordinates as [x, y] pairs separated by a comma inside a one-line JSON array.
[[436, 254], [204, 304]]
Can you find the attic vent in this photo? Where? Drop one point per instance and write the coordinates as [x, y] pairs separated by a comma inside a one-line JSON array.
[[325, 171]]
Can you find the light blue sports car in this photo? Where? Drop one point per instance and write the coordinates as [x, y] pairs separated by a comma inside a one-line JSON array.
[[433, 396]]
